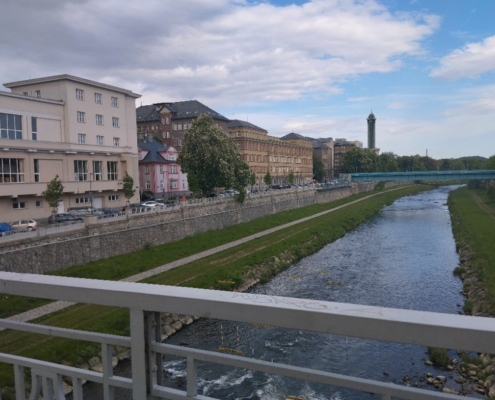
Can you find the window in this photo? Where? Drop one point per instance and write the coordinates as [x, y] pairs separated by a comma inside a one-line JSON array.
[[79, 94], [99, 140], [148, 185], [116, 141], [171, 157], [238, 134], [18, 205], [161, 169], [173, 185], [168, 135], [39, 204], [98, 98], [167, 121], [81, 138], [34, 128], [175, 142], [173, 169], [115, 122], [81, 116], [174, 127], [97, 170], [38, 93], [147, 169], [11, 170], [179, 142], [80, 170], [112, 171], [99, 119], [115, 102], [82, 200], [113, 197], [161, 185], [10, 126], [36, 170]]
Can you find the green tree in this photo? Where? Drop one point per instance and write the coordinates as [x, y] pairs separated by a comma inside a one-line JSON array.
[[53, 193], [212, 157], [490, 163], [490, 192], [267, 179], [318, 169], [128, 187], [290, 177], [361, 160], [252, 179]]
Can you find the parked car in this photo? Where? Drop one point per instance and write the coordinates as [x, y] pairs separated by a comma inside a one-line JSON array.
[[84, 210], [64, 217], [5, 229], [108, 212], [151, 203], [24, 225]]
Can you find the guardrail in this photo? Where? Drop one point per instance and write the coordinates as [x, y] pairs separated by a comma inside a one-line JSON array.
[[145, 303]]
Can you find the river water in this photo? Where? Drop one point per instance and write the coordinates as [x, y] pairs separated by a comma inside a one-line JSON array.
[[402, 258]]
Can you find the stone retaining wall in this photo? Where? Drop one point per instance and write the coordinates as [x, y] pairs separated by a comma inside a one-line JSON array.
[[95, 241]]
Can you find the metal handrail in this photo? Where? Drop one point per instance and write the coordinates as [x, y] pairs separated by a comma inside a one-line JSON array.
[[370, 322]]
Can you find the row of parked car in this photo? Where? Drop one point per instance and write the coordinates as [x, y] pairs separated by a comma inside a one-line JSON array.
[[23, 225]]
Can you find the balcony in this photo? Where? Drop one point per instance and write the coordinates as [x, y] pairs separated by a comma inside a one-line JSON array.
[[145, 303]]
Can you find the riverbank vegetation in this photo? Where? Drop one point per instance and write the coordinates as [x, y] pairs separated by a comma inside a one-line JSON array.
[[250, 262]]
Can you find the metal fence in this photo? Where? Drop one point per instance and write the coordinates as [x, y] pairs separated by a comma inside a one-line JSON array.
[[145, 303]]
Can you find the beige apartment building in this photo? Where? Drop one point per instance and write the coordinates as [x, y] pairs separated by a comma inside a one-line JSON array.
[[280, 156], [81, 130]]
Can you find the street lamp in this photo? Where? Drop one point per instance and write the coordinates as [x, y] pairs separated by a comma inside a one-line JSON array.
[[90, 191]]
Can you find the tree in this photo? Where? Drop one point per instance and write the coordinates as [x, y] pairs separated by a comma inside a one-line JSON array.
[[490, 163], [388, 162], [212, 157], [290, 177], [252, 179], [490, 192], [361, 160], [128, 187], [53, 193], [318, 169], [267, 179]]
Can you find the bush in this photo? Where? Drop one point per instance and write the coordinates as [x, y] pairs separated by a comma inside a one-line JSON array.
[[458, 271], [439, 356]]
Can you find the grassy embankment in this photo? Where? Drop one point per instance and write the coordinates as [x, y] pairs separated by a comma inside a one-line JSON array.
[[224, 270], [473, 224]]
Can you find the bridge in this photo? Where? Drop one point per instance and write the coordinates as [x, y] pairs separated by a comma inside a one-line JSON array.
[[423, 176], [145, 303]]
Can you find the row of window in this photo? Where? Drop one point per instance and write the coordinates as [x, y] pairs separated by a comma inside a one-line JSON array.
[[275, 159], [20, 205], [81, 117], [100, 140], [81, 171], [273, 149], [173, 185], [173, 169], [98, 98], [10, 126], [86, 200]]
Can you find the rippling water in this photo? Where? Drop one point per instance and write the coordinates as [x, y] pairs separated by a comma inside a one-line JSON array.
[[402, 258]]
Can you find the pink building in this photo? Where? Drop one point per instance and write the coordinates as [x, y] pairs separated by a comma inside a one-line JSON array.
[[158, 169]]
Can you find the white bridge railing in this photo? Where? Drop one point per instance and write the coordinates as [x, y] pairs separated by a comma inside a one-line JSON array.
[[145, 303]]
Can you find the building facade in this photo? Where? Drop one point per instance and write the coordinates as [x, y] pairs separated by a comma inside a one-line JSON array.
[[169, 122], [279, 156], [81, 130], [159, 171], [341, 146], [323, 149]]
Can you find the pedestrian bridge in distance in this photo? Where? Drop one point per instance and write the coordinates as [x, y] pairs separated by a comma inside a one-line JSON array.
[[423, 176]]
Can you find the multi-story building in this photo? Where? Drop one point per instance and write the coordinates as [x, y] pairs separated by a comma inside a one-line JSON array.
[[341, 146], [323, 150], [81, 130], [265, 153], [159, 171], [169, 122]]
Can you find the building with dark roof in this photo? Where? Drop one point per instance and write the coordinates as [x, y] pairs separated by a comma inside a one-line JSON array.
[[323, 149], [265, 153], [168, 122], [159, 171]]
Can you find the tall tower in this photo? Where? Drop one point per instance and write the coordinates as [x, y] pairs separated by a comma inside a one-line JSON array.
[[371, 131]]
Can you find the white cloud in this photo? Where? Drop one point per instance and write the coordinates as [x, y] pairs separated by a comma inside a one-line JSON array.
[[471, 61], [221, 52]]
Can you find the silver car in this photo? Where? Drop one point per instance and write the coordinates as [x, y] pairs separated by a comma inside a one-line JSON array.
[[24, 225]]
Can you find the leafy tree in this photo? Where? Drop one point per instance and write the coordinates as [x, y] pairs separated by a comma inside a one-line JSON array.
[[252, 179], [490, 163], [490, 191], [128, 187], [318, 169], [290, 177], [267, 179], [387, 162], [361, 160], [212, 157], [53, 193]]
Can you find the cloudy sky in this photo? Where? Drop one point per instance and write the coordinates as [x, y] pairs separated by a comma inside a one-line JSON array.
[[318, 67]]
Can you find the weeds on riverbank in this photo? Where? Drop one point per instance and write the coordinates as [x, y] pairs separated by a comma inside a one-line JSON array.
[[258, 259], [473, 225]]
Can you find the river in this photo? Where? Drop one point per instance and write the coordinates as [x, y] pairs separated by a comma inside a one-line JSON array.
[[402, 258]]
